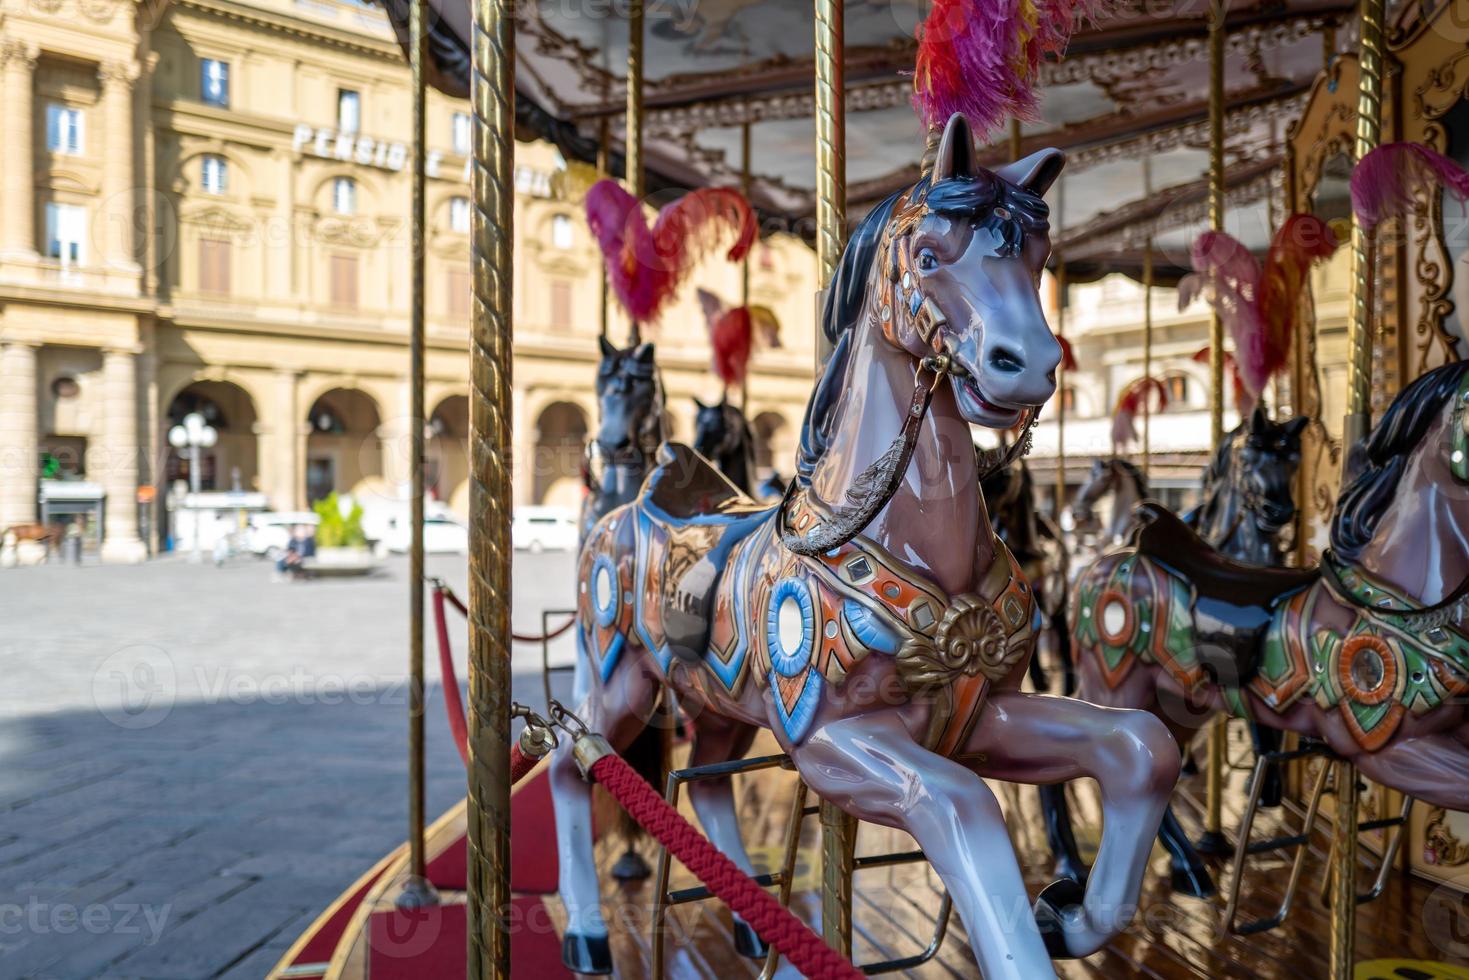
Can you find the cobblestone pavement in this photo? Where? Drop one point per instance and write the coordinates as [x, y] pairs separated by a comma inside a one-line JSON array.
[[194, 760]]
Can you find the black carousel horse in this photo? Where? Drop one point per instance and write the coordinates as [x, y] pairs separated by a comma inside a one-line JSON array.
[[723, 436], [1248, 502], [1009, 495], [630, 404]]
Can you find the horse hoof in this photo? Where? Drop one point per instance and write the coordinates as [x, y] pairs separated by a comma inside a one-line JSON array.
[[1193, 882], [748, 942], [586, 954], [1213, 842], [1076, 872], [631, 867], [1054, 899]]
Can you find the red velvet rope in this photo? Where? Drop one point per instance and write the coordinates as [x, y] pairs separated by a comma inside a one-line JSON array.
[[517, 637], [520, 764], [775, 923], [453, 706]]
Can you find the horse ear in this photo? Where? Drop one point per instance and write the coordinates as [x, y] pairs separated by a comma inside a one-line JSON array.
[[956, 150], [1258, 422], [608, 349], [1295, 427], [701, 405], [644, 352], [1037, 172]]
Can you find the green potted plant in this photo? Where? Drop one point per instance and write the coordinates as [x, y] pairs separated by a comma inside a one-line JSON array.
[[340, 541]]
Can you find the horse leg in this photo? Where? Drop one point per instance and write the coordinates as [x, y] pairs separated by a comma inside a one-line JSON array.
[[1060, 834], [1039, 738], [1267, 740], [719, 739], [870, 766], [619, 710]]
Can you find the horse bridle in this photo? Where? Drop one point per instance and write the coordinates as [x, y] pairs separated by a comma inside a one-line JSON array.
[[875, 486]]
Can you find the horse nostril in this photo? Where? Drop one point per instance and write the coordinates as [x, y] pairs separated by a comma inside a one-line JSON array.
[[1006, 360]]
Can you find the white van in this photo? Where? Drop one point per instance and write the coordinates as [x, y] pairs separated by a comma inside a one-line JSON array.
[[538, 529]]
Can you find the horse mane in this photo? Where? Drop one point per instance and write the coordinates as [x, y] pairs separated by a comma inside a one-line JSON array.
[[1380, 461], [844, 299]]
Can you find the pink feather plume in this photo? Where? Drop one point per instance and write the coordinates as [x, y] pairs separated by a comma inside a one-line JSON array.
[[1257, 304], [1383, 181], [646, 266], [981, 57], [1129, 403]]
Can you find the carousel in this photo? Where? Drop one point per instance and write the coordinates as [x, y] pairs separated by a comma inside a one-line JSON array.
[[806, 715]]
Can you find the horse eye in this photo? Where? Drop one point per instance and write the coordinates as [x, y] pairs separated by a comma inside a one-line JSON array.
[[927, 261]]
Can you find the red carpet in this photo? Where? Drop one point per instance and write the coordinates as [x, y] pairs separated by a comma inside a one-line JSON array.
[[533, 865], [430, 943]]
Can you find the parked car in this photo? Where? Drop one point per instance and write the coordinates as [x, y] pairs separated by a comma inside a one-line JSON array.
[[442, 533], [538, 529], [269, 532]]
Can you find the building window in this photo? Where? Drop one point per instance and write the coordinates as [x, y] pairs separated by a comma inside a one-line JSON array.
[[463, 130], [214, 266], [1177, 387], [344, 281], [456, 285], [349, 111], [344, 195], [63, 129], [560, 304], [214, 84], [459, 214], [561, 231], [213, 176], [66, 233]]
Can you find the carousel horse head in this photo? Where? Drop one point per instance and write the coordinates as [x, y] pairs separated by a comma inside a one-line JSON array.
[[1109, 474], [1258, 464], [629, 401], [719, 429], [1410, 493], [962, 255]]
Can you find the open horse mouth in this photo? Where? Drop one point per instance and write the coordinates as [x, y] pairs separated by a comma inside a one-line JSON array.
[[978, 408]]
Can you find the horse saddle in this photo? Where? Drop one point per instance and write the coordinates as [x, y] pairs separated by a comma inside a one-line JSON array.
[[704, 516], [1233, 602]]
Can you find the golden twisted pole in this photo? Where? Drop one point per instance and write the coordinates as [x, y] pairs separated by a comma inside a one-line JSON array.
[[1148, 327], [633, 137], [418, 891], [493, 187], [1213, 839], [1358, 421], [838, 831], [1359, 328], [831, 147], [746, 161], [1063, 285], [604, 170]]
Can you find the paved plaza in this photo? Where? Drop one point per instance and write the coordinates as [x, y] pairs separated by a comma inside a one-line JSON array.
[[194, 761]]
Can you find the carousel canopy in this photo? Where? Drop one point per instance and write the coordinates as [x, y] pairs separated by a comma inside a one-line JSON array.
[[1129, 105]]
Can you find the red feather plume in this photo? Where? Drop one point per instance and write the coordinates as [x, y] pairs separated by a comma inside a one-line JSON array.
[[1383, 181], [1129, 403], [1244, 402], [646, 266], [1068, 354], [981, 57]]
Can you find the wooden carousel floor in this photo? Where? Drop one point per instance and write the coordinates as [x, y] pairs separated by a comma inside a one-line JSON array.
[[1171, 937]]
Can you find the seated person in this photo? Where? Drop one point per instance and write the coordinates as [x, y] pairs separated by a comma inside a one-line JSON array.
[[302, 546]]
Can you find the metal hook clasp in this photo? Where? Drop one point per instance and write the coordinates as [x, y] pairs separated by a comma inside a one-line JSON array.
[[567, 720], [539, 737], [938, 364]]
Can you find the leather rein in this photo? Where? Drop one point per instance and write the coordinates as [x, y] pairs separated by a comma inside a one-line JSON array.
[[875, 486]]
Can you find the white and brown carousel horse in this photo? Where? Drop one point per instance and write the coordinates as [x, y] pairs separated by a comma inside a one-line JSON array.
[[1368, 653], [872, 621]]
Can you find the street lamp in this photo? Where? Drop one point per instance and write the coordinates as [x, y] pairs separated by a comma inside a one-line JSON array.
[[193, 434]]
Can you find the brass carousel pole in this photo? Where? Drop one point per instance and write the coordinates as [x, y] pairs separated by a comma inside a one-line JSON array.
[[417, 891], [1213, 841], [604, 169], [1358, 421], [838, 831], [633, 136], [1148, 328], [745, 163], [492, 85], [1063, 286]]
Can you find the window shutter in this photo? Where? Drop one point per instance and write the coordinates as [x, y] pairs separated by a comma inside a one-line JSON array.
[[344, 280], [214, 266], [457, 286]]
